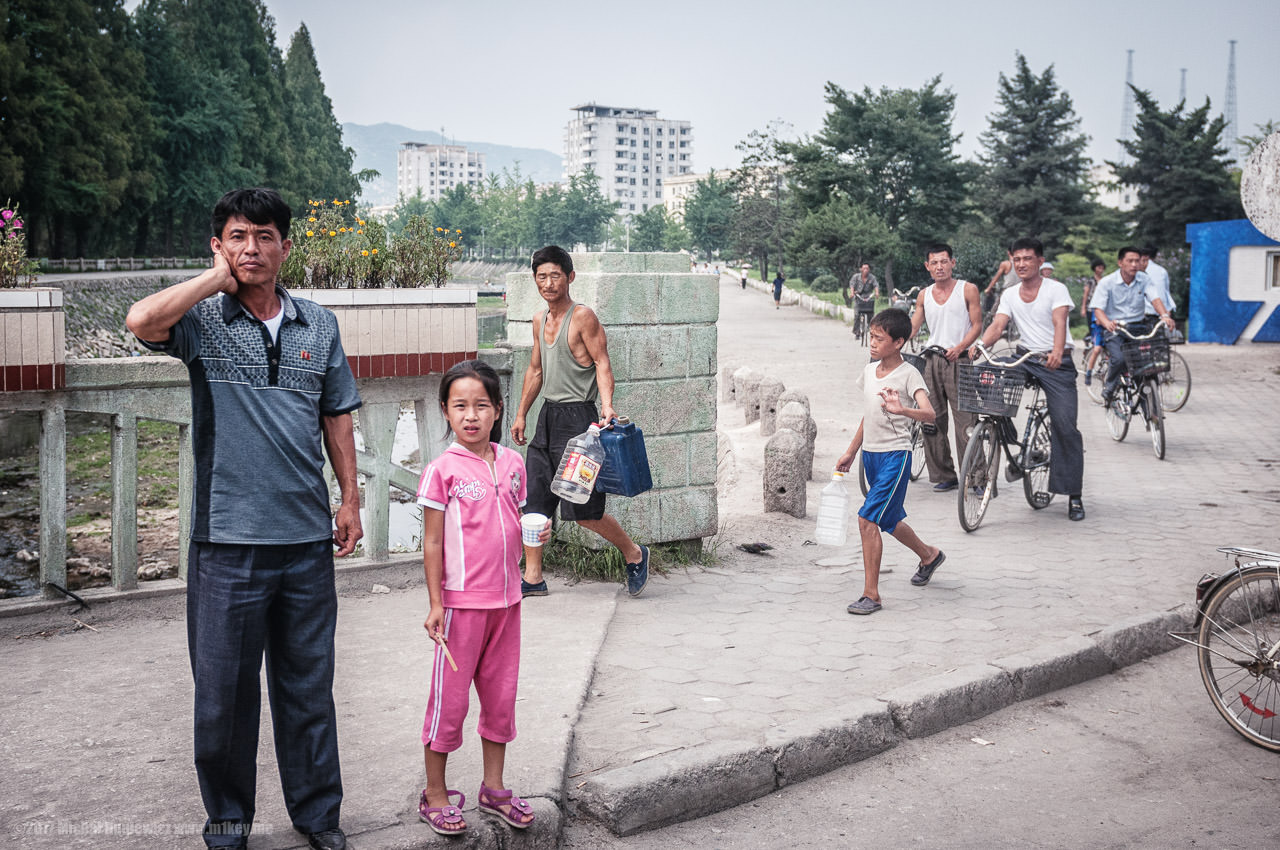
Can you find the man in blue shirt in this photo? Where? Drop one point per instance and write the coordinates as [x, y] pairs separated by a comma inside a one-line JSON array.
[[1122, 297], [1159, 278], [269, 385]]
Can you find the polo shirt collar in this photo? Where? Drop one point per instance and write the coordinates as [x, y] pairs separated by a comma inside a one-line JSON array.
[[231, 307]]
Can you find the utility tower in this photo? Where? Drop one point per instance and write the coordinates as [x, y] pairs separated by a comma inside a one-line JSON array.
[[1231, 137], [1126, 114], [1182, 88]]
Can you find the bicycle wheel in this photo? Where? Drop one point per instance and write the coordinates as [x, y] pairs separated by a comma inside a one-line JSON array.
[[1035, 478], [1155, 417], [1117, 414], [1175, 385], [862, 476], [1240, 625], [978, 474], [1099, 379], [917, 452]]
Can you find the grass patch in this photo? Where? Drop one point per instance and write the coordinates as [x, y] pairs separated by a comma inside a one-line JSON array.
[[582, 563], [89, 460], [490, 302]]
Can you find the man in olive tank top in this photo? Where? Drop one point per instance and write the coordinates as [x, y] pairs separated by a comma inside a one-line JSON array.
[[569, 367]]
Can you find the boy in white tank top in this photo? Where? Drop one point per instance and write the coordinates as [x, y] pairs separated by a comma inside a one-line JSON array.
[[952, 309]]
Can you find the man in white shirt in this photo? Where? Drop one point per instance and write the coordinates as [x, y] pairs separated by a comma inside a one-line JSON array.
[[953, 311], [1159, 278], [1040, 307]]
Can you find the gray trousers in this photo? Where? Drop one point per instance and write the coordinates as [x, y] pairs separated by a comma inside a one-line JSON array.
[[940, 380], [1066, 463]]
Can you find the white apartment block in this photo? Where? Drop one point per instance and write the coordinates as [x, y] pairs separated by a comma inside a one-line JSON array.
[[435, 169], [676, 190], [633, 152]]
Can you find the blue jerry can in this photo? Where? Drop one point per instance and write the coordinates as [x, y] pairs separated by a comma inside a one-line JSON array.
[[626, 464]]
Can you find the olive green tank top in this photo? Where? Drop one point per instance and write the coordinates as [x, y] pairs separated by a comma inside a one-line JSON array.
[[563, 378]]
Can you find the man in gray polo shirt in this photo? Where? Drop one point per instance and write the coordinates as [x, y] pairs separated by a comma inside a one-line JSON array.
[[269, 384]]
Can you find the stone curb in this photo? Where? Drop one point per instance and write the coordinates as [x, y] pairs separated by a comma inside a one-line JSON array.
[[696, 782]]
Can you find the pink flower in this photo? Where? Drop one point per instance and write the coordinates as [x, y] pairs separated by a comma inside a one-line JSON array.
[[17, 224], [6, 214]]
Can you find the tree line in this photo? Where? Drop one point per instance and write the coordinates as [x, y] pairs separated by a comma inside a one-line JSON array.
[[119, 131]]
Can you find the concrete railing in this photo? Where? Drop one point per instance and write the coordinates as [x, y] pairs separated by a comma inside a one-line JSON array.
[[157, 388]]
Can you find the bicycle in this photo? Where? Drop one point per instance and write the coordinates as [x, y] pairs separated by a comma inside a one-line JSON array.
[[1138, 389], [862, 319], [1237, 639], [1175, 385], [906, 302], [917, 436], [994, 391]]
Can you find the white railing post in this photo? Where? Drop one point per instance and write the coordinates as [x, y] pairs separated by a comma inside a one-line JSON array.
[[53, 498], [124, 501]]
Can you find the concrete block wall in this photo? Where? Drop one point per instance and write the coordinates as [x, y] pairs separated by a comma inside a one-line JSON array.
[[661, 326]]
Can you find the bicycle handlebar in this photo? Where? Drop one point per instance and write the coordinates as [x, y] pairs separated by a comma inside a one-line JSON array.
[[910, 292], [990, 357], [1159, 327]]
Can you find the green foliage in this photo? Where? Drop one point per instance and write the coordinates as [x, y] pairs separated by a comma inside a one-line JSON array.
[[1180, 169], [838, 237], [1035, 180], [825, 283], [320, 161], [654, 230], [708, 215], [1251, 141], [422, 254], [977, 258]]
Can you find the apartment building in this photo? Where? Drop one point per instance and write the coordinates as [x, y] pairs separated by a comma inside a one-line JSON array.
[[633, 151], [435, 169]]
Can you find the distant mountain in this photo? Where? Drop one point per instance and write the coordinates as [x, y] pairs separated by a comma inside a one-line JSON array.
[[376, 146]]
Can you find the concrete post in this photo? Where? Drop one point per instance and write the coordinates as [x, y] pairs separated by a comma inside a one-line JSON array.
[[378, 428], [784, 476], [769, 392], [53, 499], [124, 501]]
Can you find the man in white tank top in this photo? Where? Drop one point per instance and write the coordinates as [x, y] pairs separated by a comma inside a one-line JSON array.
[[953, 311]]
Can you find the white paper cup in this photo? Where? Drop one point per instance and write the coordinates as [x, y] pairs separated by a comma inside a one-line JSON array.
[[531, 526]]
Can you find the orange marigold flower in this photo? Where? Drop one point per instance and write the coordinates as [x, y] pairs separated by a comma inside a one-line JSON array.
[[453, 244], [364, 253], [311, 233], [331, 233], [360, 231], [457, 231], [375, 250]]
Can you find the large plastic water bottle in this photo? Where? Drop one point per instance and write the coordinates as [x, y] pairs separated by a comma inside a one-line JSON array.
[[833, 512], [579, 467]]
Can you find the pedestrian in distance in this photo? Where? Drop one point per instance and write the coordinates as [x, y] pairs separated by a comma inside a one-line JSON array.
[[270, 385], [1039, 306], [569, 367], [953, 311], [895, 394], [777, 289], [471, 498], [743, 273]]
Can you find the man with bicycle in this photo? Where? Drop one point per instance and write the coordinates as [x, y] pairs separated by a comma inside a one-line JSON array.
[[1122, 297], [1039, 307], [863, 288], [952, 310]]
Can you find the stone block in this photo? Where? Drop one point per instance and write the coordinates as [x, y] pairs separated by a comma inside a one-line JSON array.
[[691, 298], [679, 787], [784, 476], [611, 262], [769, 391], [688, 513], [668, 460], [656, 351], [813, 745], [520, 334], [1053, 666], [726, 381], [672, 406], [748, 392], [703, 458], [666, 263], [1130, 641], [630, 299], [940, 702], [704, 341], [796, 418], [523, 299], [796, 396]]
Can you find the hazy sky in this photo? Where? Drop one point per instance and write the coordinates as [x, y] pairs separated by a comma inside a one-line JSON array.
[[508, 71]]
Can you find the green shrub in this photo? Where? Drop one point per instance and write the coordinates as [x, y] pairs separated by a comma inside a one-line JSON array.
[[825, 283]]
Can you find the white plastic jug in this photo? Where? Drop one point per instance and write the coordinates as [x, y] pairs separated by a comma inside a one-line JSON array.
[[833, 513], [579, 467]]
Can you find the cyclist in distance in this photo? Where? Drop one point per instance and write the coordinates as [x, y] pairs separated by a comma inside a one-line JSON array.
[[1122, 297], [863, 289], [1040, 307]]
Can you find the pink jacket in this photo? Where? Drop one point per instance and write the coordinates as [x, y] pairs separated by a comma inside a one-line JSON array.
[[481, 524]]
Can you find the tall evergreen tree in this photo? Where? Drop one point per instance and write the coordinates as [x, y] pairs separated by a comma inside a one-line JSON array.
[[1179, 166], [1036, 170], [321, 163], [708, 214]]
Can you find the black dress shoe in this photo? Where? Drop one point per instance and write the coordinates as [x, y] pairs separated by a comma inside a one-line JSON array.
[[1075, 510], [330, 839]]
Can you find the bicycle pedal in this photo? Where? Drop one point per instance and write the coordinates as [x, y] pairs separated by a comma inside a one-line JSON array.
[[1012, 473]]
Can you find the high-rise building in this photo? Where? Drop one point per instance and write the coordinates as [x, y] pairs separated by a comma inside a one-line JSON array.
[[631, 150], [435, 169]]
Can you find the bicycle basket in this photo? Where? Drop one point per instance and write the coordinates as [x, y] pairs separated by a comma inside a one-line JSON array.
[[915, 360], [1146, 357], [987, 388]]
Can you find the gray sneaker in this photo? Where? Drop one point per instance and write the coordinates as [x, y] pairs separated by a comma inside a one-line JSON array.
[[864, 605], [638, 574], [925, 572]]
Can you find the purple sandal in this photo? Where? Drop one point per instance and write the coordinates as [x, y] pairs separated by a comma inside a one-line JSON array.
[[446, 820], [518, 812]]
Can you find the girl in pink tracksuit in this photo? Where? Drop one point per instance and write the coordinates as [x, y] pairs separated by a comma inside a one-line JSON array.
[[471, 497]]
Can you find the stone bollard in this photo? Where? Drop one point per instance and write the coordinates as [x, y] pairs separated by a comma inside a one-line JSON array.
[[726, 382], [770, 390], [794, 417], [746, 382], [784, 477], [794, 395]]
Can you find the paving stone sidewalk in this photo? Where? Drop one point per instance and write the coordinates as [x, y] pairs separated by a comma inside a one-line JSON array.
[[702, 684]]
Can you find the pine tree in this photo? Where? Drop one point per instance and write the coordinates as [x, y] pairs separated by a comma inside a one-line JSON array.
[[1180, 169], [1036, 170], [321, 166]]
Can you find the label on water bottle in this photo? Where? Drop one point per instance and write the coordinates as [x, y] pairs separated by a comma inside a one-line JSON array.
[[580, 469]]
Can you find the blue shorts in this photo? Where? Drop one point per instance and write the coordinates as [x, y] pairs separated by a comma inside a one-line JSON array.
[[1095, 330], [887, 477]]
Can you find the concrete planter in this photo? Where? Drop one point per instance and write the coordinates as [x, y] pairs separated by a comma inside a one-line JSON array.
[[32, 340], [395, 333]]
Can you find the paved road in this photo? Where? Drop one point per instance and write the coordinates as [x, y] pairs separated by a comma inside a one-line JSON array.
[[1135, 759]]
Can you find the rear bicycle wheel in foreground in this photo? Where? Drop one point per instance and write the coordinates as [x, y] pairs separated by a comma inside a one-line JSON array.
[[978, 475], [1240, 625], [1175, 385]]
